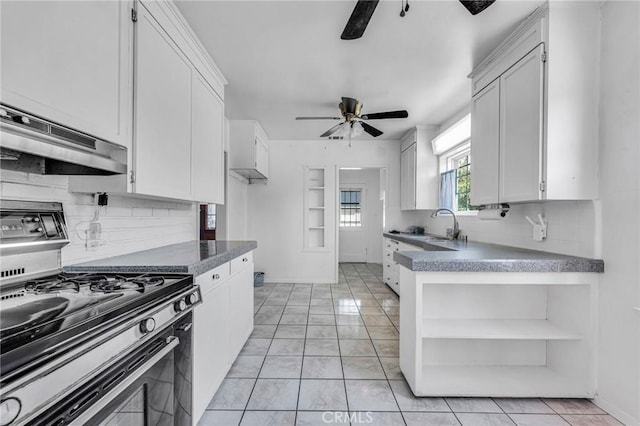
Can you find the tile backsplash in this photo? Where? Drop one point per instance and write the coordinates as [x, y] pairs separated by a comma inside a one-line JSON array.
[[128, 224], [572, 227]]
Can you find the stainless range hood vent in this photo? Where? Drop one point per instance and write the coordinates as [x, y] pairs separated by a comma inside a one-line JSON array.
[[34, 145]]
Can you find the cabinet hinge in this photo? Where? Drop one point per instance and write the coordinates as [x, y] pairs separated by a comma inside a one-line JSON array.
[[132, 176], [542, 186], [544, 56], [134, 15]]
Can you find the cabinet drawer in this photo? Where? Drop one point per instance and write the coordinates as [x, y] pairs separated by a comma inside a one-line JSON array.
[[391, 245], [241, 262], [210, 279]]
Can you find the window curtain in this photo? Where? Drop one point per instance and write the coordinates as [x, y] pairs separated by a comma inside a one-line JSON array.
[[447, 189]]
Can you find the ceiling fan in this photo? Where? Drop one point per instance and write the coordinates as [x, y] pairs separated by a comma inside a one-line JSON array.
[[354, 120], [363, 11]]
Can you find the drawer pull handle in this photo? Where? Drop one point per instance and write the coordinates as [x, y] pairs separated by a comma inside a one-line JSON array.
[[244, 259], [216, 276]]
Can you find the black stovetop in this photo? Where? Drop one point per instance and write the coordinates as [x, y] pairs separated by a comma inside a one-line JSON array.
[[61, 311]]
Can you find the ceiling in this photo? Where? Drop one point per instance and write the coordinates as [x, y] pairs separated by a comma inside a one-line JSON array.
[[284, 59]]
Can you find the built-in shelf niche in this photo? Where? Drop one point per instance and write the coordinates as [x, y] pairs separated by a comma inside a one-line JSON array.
[[315, 214]]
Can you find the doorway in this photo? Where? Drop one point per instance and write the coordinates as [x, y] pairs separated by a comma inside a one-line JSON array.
[[360, 215]]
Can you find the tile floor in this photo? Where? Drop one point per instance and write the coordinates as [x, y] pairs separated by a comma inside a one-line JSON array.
[[328, 355]]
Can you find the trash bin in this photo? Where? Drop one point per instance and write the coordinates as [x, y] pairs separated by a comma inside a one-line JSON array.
[[258, 279]]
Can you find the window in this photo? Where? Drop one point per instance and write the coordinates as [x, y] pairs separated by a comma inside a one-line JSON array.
[[211, 217], [453, 146], [455, 181], [462, 166], [350, 208]]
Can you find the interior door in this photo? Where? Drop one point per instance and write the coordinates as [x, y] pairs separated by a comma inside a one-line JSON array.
[[353, 236]]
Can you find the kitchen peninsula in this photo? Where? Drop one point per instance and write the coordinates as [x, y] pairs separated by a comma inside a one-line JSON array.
[[487, 320]]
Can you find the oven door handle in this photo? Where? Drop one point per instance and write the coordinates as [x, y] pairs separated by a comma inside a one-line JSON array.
[[87, 415]]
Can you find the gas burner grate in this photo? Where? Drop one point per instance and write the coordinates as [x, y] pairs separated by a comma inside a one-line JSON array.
[[49, 285], [119, 283]]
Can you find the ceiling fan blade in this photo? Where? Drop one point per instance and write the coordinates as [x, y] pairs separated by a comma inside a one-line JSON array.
[[331, 130], [388, 114], [318, 118], [477, 6], [371, 130], [359, 19]]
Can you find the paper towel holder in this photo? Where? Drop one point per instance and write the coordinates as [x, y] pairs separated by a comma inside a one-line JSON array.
[[503, 207]]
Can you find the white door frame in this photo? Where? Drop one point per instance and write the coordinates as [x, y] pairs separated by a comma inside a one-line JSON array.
[[384, 185]]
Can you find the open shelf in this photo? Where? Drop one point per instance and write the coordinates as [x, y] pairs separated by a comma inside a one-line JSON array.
[[499, 381], [513, 329], [315, 213]]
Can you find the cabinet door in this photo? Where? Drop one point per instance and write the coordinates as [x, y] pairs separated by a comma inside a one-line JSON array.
[[240, 309], [262, 157], [408, 178], [485, 137], [69, 62], [521, 128], [207, 143], [210, 346], [162, 145]]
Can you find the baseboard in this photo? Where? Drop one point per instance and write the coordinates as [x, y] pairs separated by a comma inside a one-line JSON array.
[[615, 411]]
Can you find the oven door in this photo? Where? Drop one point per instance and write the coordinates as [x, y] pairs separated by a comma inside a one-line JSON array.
[[140, 389]]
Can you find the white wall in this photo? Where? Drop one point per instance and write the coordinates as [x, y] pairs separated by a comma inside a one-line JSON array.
[[571, 227], [235, 209], [275, 210], [619, 339], [372, 213], [128, 224]]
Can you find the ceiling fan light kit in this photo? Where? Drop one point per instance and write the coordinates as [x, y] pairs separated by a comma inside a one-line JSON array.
[[363, 11], [353, 124]]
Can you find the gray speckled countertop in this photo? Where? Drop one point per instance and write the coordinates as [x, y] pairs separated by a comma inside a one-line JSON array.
[[193, 257], [458, 256]]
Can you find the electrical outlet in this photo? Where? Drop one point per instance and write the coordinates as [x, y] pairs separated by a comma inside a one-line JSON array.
[[93, 235], [540, 232]]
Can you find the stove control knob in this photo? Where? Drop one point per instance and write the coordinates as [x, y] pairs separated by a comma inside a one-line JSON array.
[[9, 410], [180, 305], [147, 325], [191, 299]]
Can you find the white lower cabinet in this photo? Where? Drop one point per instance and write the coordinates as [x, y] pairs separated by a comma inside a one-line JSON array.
[[222, 325], [391, 268], [498, 334]]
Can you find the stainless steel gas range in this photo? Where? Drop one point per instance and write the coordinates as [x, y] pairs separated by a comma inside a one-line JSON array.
[[87, 348]]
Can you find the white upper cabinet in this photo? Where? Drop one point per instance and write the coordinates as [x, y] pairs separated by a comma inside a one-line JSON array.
[[249, 149], [207, 143], [535, 110], [70, 62], [419, 174], [521, 103], [485, 128], [408, 178], [177, 150], [162, 143]]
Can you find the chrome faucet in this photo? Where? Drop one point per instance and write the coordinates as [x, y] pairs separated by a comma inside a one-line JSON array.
[[456, 227]]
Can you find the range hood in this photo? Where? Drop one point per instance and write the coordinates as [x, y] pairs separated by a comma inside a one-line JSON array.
[[32, 144]]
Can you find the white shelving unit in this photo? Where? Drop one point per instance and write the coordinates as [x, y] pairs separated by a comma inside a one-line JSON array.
[[314, 209], [498, 334]]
